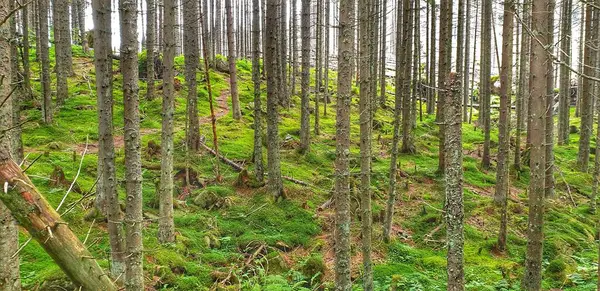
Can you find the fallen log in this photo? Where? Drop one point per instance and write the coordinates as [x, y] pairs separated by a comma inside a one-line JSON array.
[[34, 213], [239, 168]]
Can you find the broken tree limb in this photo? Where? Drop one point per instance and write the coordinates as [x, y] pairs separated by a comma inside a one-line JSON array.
[[34, 213], [239, 168]]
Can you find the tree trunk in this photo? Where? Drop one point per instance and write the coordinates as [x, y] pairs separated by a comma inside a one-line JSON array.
[[74, 22], [484, 81], [47, 113], [532, 278], [461, 49], [586, 102], [502, 171], [523, 82], [257, 155], [564, 99], [190, 47], [364, 82], [294, 46], [549, 192], [166, 230], [16, 98], [209, 45], [27, 94], [432, 61], [305, 85], [284, 95], [150, 41], [318, 62], [9, 231], [453, 176], [62, 40], [445, 55], [81, 5], [133, 220], [342, 171], [218, 42], [326, 64], [235, 102], [382, 60], [272, 68], [404, 84], [465, 74]]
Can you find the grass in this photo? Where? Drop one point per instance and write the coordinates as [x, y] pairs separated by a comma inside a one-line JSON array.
[[295, 237]]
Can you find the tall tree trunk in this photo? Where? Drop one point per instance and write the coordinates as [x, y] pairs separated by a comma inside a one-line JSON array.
[[549, 192], [190, 47], [465, 73], [177, 28], [62, 40], [580, 57], [326, 64], [272, 68], [17, 96], [538, 91], [342, 170], [523, 83], [294, 46], [400, 62], [432, 74], [305, 82], [9, 231], [284, 95], [257, 155], [166, 227], [366, 48], [318, 62], [47, 113], [210, 45], [107, 199], [74, 22], [484, 81], [27, 94], [235, 101], [453, 176], [444, 56], [133, 220], [474, 63], [81, 5], [150, 41], [218, 42], [502, 171], [408, 141], [586, 102], [564, 99], [382, 55], [461, 47]]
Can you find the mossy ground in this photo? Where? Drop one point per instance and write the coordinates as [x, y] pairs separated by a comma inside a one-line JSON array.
[[286, 245]]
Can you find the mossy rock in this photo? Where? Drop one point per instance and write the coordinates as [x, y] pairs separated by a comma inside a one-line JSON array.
[[55, 146], [314, 268], [557, 269]]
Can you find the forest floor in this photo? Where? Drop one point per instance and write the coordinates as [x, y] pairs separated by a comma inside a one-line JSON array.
[[232, 236]]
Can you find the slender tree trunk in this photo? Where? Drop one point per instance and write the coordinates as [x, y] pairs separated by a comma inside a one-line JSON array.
[[74, 22], [305, 82], [208, 42], [107, 200], [408, 141], [62, 40], [461, 48], [432, 74], [466, 90], [474, 63], [318, 61], [326, 64], [400, 62], [580, 58], [257, 157], [47, 112], [9, 231], [284, 95], [294, 46], [453, 176], [364, 82], [150, 42], [550, 108], [484, 82], [235, 101], [445, 54], [81, 4], [15, 100], [190, 48], [586, 102], [523, 82], [382, 55], [502, 171], [538, 91], [342, 171], [272, 68], [565, 74], [27, 94]]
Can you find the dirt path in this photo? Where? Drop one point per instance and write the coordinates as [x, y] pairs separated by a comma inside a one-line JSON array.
[[221, 109]]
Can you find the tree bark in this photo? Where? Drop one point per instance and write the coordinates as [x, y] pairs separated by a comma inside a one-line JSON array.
[[81, 5], [15, 100], [150, 43], [502, 171], [272, 68], [257, 155], [62, 40], [166, 230], [27, 94], [305, 85], [445, 54], [523, 83], [342, 172], [47, 113], [432, 61], [484, 81], [453, 176], [318, 63], [382, 55], [538, 91], [404, 84], [294, 46], [564, 99], [284, 94], [549, 191], [586, 102], [235, 102], [190, 48]]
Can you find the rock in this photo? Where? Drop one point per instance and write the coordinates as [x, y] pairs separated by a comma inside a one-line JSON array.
[[221, 66]]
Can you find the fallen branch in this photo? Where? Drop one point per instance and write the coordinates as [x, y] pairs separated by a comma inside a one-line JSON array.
[[568, 187], [326, 204], [76, 176]]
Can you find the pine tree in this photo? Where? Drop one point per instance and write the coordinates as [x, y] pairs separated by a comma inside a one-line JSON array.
[[257, 155], [484, 80], [47, 110], [235, 102], [586, 103], [190, 48], [305, 82], [150, 44], [62, 40]]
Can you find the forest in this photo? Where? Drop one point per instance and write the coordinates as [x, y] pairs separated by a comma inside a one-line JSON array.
[[299, 145]]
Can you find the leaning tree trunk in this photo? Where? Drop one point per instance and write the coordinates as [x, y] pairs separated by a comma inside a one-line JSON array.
[[453, 176], [166, 228], [257, 155], [47, 113], [538, 91], [190, 48], [9, 231], [133, 220], [502, 171], [272, 68], [342, 170], [305, 82], [235, 101]]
